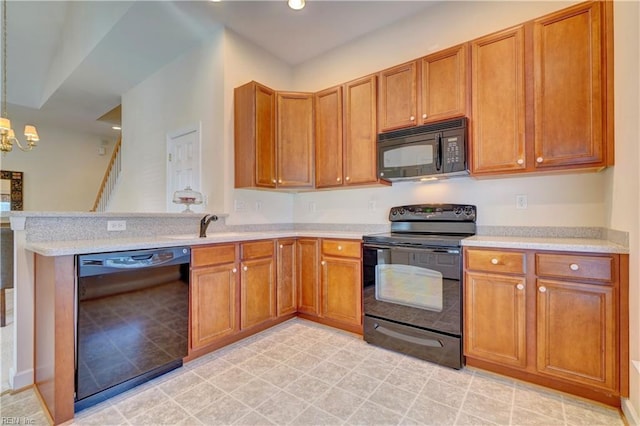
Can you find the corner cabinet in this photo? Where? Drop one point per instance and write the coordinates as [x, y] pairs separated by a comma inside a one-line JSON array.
[[308, 276], [294, 140], [542, 94], [287, 300], [558, 319]]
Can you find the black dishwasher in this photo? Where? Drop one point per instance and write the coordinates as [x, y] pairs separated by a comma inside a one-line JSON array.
[[132, 319]]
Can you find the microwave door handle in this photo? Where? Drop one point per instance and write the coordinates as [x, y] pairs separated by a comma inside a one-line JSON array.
[[438, 152]]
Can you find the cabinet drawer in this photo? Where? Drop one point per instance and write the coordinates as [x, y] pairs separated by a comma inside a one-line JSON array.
[[341, 248], [256, 249], [599, 268], [213, 255], [495, 261]]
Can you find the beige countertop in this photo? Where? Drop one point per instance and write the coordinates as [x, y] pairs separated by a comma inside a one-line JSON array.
[[72, 247], [545, 243]]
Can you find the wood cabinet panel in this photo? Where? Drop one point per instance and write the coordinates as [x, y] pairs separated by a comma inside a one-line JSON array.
[[398, 102], [213, 255], [214, 310], [294, 136], [360, 132], [342, 289], [568, 87], [575, 267], [257, 292], [577, 333], [495, 324], [308, 275], [495, 261], [498, 102], [444, 84], [286, 298], [256, 249], [255, 136], [342, 248], [328, 137]]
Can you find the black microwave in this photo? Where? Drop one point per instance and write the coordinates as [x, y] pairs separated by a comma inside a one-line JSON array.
[[433, 150]]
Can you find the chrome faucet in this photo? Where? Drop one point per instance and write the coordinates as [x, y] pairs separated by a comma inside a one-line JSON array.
[[204, 224]]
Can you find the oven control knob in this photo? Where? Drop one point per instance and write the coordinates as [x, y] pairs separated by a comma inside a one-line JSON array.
[[468, 211], [394, 212], [457, 211], [402, 211]]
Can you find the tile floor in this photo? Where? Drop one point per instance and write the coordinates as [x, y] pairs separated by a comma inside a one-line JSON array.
[[302, 373]]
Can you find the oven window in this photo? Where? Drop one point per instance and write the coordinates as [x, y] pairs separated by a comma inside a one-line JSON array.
[[409, 155], [410, 286]]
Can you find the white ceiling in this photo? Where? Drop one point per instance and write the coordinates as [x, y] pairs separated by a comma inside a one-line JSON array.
[[72, 60]]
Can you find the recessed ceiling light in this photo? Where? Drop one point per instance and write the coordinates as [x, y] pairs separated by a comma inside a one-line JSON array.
[[296, 4]]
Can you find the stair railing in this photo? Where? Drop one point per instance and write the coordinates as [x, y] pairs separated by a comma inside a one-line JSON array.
[[109, 180]]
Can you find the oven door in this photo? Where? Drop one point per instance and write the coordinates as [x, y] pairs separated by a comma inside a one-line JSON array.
[[419, 287]]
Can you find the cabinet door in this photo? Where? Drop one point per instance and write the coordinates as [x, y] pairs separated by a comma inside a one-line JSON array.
[[294, 140], [286, 298], [444, 84], [360, 133], [576, 332], [495, 318], [568, 87], [255, 136], [498, 103], [328, 137], [308, 275], [257, 292], [214, 310], [342, 289], [398, 97]]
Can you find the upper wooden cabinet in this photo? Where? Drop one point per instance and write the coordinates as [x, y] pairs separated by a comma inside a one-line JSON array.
[[346, 134], [542, 95], [398, 103], [294, 139], [569, 87], [498, 102], [429, 89], [444, 84], [255, 136]]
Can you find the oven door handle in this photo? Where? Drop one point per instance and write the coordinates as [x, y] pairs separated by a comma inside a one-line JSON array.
[[413, 248], [433, 343]]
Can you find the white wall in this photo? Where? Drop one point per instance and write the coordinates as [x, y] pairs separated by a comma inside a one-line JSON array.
[[187, 92], [623, 180], [64, 172]]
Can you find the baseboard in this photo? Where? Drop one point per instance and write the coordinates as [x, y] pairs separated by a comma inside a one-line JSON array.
[[20, 380], [630, 413]]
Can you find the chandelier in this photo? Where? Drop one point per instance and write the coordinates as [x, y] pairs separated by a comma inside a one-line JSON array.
[[8, 136]]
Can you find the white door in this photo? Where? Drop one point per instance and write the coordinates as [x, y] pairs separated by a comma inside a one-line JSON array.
[[183, 164]]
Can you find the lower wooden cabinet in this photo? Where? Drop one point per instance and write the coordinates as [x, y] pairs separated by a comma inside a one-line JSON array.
[[558, 319], [214, 294], [257, 283], [308, 275], [286, 298], [341, 281]]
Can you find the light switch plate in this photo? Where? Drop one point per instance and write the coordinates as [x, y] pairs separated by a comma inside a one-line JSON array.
[[116, 225]]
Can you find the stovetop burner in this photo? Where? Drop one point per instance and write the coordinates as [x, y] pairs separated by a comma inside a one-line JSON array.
[[422, 225]]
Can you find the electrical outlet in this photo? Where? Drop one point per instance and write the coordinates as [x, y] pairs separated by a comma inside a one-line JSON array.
[[312, 207], [258, 205], [239, 206], [116, 225], [372, 205], [521, 201]]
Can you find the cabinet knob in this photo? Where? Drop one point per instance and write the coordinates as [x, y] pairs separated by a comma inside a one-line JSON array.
[[574, 266], [234, 270], [279, 180], [273, 181], [520, 161], [520, 287], [412, 118], [539, 160], [347, 178], [338, 179], [323, 263], [244, 268], [424, 115], [281, 246], [542, 289], [494, 261], [339, 247]]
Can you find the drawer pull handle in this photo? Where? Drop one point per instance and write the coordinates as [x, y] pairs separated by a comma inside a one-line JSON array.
[[494, 261], [520, 287], [542, 289], [574, 266]]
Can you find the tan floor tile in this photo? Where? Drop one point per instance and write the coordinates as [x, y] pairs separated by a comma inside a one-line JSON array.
[[255, 392], [487, 408], [329, 372], [495, 388], [358, 384], [253, 419], [212, 368], [405, 379], [258, 364], [304, 362], [392, 398], [520, 416], [281, 375], [580, 413], [374, 414], [339, 403], [442, 392], [535, 399], [282, 408], [314, 416], [223, 411], [107, 416], [307, 388], [231, 379], [170, 414], [199, 397], [181, 383], [346, 358], [432, 413], [138, 403], [465, 419]]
